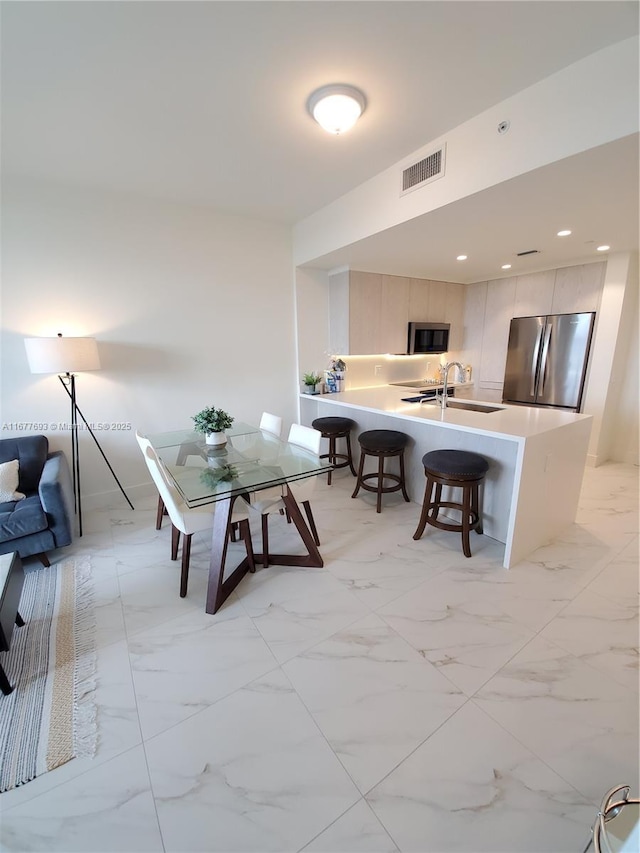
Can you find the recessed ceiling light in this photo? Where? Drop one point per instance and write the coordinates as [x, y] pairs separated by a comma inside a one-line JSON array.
[[461, 258], [603, 248], [336, 108], [564, 233], [506, 266]]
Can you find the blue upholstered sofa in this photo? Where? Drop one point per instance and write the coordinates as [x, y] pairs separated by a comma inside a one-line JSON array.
[[43, 519]]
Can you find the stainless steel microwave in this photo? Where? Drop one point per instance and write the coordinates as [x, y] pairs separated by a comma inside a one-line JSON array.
[[428, 338]]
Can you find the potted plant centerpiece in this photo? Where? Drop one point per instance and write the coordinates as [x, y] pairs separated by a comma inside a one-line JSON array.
[[212, 422], [311, 380]]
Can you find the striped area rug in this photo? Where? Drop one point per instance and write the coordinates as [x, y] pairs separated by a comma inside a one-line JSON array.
[[49, 718]]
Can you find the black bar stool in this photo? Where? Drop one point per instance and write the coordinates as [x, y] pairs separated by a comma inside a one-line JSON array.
[[334, 428], [457, 468], [382, 443]]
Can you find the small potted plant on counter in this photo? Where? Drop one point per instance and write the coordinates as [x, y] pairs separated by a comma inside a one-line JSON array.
[[212, 422], [311, 380]]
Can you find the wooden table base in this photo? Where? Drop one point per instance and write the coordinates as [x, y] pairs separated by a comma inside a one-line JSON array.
[[219, 588]]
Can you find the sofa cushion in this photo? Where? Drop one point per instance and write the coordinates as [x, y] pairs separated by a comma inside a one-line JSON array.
[[31, 452], [9, 476], [22, 518]]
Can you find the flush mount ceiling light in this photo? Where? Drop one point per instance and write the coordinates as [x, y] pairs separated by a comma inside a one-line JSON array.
[[564, 233], [603, 248], [461, 258], [505, 267], [336, 108]]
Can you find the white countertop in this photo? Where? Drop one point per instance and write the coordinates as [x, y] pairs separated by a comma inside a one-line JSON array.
[[511, 422]]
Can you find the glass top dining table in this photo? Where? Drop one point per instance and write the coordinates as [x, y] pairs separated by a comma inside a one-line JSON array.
[[251, 460]]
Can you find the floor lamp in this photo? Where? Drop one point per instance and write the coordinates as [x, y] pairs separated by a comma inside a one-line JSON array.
[[66, 357]]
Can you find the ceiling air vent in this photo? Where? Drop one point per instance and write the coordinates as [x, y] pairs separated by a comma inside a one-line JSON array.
[[529, 252], [430, 168]]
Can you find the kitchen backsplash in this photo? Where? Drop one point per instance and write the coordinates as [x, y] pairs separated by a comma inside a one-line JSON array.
[[367, 371]]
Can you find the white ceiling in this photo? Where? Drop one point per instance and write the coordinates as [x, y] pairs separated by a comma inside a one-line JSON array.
[[594, 194], [204, 102]]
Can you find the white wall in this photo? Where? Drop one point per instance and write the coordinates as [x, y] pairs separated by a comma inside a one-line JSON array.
[[612, 395], [190, 308], [312, 317], [625, 439]]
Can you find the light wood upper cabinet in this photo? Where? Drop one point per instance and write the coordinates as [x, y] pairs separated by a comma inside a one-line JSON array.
[[339, 312], [454, 315], [380, 307], [490, 306], [365, 295], [534, 294], [394, 313], [418, 299], [578, 288], [438, 291], [475, 303], [501, 297]]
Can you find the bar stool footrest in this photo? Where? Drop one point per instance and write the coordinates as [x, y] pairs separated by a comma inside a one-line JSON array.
[[333, 456], [455, 527], [395, 477]]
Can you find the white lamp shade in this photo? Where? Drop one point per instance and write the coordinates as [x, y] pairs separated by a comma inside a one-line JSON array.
[[336, 108], [62, 355]]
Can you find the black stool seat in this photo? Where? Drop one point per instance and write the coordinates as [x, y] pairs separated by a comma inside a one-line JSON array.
[[457, 464], [455, 469], [383, 444], [334, 428], [383, 440]]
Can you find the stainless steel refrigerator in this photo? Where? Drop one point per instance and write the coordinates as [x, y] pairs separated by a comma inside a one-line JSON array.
[[547, 360]]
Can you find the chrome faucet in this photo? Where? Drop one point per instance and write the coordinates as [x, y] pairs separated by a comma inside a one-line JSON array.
[[445, 373]]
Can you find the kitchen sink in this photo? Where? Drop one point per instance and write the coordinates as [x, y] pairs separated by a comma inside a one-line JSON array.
[[468, 405]]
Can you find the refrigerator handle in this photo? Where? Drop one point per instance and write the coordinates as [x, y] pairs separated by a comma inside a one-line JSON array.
[[534, 362], [545, 353]]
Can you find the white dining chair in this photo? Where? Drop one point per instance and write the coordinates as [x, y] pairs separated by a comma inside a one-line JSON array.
[[271, 423], [270, 500], [188, 520], [188, 448]]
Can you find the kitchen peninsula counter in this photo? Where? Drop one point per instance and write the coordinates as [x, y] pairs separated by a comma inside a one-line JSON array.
[[536, 456]]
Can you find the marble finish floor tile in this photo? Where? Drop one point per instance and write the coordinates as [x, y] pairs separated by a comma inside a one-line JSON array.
[[295, 625], [282, 584], [374, 697], [583, 723], [378, 572], [357, 831], [620, 580], [601, 633], [184, 666], [109, 616], [259, 721], [474, 787], [150, 596], [252, 772], [109, 807], [467, 638]]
